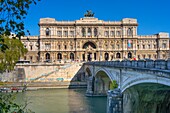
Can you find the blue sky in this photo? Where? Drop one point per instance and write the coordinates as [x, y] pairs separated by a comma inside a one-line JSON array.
[[153, 15]]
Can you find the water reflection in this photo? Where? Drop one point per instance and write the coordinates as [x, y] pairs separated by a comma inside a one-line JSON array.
[[62, 101]]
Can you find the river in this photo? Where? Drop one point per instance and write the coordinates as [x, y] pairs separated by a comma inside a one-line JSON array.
[[62, 101]]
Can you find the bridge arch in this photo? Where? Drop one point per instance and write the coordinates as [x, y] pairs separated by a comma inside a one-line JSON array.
[[145, 79], [101, 82]]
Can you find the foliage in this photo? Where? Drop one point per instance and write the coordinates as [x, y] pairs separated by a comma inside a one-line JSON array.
[[113, 84], [12, 14], [10, 56], [7, 105]]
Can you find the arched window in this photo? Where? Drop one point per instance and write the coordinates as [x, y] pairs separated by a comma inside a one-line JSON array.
[[95, 32], [47, 32], [47, 57], [59, 56], [72, 56], [129, 55], [118, 55], [106, 55], [130, 32], [89, 44], [83, 32], [89, 32]]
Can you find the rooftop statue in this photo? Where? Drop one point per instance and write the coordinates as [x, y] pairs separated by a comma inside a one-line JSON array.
[[89, 14]]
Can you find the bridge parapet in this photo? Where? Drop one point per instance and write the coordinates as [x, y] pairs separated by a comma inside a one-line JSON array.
[[149, 64]]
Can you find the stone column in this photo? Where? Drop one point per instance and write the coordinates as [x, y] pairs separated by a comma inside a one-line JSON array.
[[89, 91], [114, 101]]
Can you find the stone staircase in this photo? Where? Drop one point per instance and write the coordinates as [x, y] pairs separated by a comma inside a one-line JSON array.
[[63, 73]]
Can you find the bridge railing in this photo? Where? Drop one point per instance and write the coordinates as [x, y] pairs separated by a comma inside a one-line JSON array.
[[148, 63]]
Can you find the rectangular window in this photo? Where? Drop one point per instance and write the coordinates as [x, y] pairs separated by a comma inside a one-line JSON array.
[[149, 56], [25, 58], [30, 47], [112, 33], [155, 56], [71, 46], [65, 33], [65, 46], [59, 33], [47, 46], [154, 46], [164, 45], [59, 47], [31, 58], [71, 33], [118, 33], [106, 33]]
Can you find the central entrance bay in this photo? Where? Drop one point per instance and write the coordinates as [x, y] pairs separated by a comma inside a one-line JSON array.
[[62, 101]]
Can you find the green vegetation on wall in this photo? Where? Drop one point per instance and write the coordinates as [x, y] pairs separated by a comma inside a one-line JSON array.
[[113, 85]]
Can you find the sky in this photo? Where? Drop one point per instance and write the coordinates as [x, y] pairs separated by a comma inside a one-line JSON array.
[[153, 16]]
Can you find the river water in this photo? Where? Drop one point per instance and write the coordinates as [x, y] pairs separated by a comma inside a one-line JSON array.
[[62, 101]]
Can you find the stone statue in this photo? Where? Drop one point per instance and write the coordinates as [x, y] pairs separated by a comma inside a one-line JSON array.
[[89, 14]]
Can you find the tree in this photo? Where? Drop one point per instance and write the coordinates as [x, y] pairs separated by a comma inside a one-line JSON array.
[[12, 14], [7, 105], [11, 55]]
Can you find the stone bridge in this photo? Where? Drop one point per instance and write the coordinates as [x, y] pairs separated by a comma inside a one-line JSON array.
[[127, 74]]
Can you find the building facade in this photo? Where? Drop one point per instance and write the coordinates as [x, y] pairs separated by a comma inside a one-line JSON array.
[[90, 39]]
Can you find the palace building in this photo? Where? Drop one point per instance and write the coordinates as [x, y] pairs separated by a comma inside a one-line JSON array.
[[92, 39]]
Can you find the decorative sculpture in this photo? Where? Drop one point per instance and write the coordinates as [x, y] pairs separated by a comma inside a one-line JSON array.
[[89, 14]]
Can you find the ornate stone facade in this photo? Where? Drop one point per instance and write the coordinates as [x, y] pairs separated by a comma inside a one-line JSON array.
[[90, 39]]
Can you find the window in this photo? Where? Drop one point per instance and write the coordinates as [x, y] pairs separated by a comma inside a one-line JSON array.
[[149, 56], [113, 46], [138, 46], [112, 33], [25, 58], [143, 46], [65, 47], [118, 33], [31, 58], [155, 56], [47, 46], [47, 31], [129, 32], [95, 32], [59, 47], [30, 47], [71, 33], [164, 45], [118, 55], [65, 33], [149, 46], [83, 32], [106, 33], [144, 56], [89, 32], [118, 46], [59, 33], [154, 46], [138, 56], [71, 47]]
